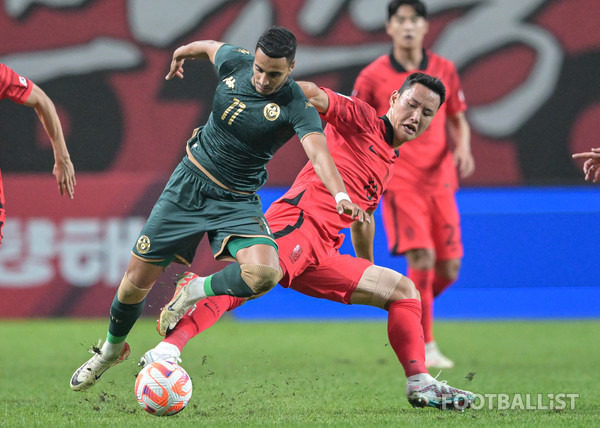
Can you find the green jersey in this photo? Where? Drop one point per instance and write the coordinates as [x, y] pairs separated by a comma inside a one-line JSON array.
[[245, 128]]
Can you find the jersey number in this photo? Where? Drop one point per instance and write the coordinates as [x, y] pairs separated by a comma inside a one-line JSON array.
[[240, 107]]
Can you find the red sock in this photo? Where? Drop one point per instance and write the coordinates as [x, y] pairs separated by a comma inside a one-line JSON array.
[[201, 317], [406, 335], [423, 280], [440, 284]]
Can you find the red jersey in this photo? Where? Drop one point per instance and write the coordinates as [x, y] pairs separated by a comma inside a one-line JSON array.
[[427, 161], [13, 86], [360, 144]]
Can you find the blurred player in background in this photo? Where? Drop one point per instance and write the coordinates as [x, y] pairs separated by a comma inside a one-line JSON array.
[[364, 147], [257, 108], [420, 214], [21, 90], [591, 166]]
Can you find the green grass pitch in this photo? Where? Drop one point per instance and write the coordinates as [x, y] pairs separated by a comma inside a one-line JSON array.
[[304, 374]]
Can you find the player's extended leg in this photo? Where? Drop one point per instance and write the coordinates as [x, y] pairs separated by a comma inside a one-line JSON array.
[[256, 272], [198, 318], [126, 308], [390, 290]]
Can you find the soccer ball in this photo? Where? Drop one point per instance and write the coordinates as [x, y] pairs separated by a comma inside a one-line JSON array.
[[163, 388]]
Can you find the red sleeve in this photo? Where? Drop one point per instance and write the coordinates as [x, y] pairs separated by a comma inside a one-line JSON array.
[[348, 113], [455, 102], [13, 86]]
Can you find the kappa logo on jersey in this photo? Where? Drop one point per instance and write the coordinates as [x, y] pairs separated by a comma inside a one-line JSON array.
[[296, 253], [230, 82], [23, 81], [371, 189], [143, 244], [244, 51], [271, 111], [308, 104]]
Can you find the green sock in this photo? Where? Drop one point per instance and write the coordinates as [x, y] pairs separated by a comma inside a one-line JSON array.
[[228, 281], [122, 318]]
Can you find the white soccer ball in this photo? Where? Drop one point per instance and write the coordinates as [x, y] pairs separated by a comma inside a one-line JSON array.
[[163, 388]]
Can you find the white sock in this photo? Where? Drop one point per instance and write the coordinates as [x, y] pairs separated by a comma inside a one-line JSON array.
[[195, 290], [165, 348], [420, 378], [111, 350]]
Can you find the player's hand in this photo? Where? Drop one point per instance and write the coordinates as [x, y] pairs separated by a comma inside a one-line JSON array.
[[591, 167], [464, 161], [357, 213], [176, 69], [65, 177]]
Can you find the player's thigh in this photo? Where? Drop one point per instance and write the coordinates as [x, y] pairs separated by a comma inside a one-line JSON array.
[[446, 229], [406, 219], [335, 278]]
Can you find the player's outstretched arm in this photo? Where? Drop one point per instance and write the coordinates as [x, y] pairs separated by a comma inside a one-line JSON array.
[[362, 238], [63, 167], [317, 96], [316, 149], [591, 165], [202, 49]]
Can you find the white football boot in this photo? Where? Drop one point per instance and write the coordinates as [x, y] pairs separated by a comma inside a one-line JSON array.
[[89, 373], [173, 311], [424, 390]]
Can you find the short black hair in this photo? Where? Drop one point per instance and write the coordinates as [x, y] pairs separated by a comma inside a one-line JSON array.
[[433, 83], [417, 5], [278, 42]]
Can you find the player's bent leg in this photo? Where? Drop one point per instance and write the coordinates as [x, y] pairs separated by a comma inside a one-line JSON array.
[[198, 318]]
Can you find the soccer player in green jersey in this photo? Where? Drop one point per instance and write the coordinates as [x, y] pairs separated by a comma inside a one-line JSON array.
[[257, 108]]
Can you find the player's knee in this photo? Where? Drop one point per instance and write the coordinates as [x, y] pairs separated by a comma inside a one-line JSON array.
[[448, 269], [129, 293], [381, 286], [421, 258], [260, 278]]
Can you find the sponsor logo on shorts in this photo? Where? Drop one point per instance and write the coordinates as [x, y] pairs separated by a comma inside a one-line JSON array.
[[271, 111], [143, 244], [296, 253]]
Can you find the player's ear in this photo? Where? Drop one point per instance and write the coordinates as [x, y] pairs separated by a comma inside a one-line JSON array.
[[292, 65], [394, 97]]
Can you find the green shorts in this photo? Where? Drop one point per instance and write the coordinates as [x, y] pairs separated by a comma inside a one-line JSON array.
[[192, 205]]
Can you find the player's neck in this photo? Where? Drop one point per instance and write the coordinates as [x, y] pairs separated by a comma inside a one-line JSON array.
[[410, 58]]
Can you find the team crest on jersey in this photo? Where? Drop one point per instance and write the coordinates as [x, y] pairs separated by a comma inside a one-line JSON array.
[[296, 253], [143, 244], [271, 111], [308, 104], [230, 82]]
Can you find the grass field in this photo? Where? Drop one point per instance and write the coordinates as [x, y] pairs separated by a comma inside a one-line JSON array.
[[341, 374]]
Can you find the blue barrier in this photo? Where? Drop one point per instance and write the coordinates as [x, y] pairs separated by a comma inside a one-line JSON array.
[[530, 253]]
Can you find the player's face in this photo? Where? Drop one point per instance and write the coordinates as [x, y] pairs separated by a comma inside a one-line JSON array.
[[269, 74], [412, 111], [406, 29]]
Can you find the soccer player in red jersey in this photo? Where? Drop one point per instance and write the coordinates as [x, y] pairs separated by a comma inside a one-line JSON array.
[[363, 147], [420, 214], [23, 91]]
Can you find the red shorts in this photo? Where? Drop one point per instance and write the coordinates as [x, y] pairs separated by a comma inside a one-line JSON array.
[[310, 259], [414, 220], [1, 208]]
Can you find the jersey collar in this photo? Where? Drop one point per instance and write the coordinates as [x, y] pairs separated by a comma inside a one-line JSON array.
[[400, 69]]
